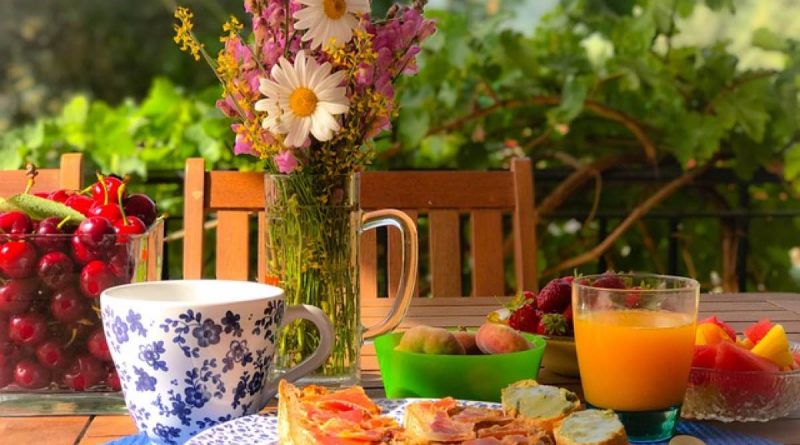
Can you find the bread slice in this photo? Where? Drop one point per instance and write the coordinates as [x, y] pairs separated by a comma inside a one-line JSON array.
[[315, 415], [591, 427], [544, 405]]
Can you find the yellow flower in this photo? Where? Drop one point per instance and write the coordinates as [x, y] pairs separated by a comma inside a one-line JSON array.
[[184, 35]]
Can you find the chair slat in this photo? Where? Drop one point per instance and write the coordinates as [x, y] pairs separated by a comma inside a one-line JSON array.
[[488, 274], [71, 171], [524, 225], [232, 245], [445, 253], [368, 265], [436, 190], [193, 218], [395, 257]]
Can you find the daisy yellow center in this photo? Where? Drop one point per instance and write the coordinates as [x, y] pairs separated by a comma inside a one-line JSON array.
[[303, 102], [334, 9]]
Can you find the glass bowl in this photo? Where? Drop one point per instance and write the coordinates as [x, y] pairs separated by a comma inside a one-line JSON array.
[[54, 359], [466, 377], [752, 396]]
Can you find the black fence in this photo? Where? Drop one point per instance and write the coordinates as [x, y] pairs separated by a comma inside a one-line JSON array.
[[739, 215]]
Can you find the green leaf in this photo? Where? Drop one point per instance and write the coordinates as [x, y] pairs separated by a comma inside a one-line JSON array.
[[573, 94], [791, 163], [769, 40], [40, 208], [412, 126], [745, 105]]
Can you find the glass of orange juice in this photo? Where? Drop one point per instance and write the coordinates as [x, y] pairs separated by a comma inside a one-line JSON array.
[[634, 335]]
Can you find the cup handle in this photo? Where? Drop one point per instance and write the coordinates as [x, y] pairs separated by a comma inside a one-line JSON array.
[[323, 324], [408, 274]]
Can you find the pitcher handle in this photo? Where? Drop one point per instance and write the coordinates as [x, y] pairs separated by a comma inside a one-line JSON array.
[[408, 274], [323, 324]]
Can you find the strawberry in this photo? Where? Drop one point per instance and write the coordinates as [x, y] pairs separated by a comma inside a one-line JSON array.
[[529, 296], [525, 318], [568, 319], [633, 300], [609, 281], [555, 296], [552, 324]]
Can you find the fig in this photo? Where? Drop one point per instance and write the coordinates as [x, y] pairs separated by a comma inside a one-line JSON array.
[[467, 340], [430, 340], [495, 338]]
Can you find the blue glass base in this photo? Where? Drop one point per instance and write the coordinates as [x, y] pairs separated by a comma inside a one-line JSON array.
[[649, 426]]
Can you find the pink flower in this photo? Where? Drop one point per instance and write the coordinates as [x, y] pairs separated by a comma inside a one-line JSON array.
[[242, 146], [227, 107], [364, 75], [377, 125], [285, 161]]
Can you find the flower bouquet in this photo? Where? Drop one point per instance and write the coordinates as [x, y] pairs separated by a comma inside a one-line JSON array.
[[308, 88]]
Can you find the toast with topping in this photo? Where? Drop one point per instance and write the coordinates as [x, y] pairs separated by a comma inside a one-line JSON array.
[[591, 427], [544, 405]]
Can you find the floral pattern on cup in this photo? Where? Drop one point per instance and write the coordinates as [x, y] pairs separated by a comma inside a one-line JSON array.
[[189, 333]]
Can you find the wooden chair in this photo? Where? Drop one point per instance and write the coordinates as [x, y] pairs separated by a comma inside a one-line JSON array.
[[69, 175], [441, 196]]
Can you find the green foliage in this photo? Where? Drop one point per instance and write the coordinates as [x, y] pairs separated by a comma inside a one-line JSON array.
[[599, 78], [167, 127]]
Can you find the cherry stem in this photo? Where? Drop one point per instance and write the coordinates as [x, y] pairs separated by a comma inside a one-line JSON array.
[[31, 174], [120, 192], [63, 222], [102, 180], [72, 338]]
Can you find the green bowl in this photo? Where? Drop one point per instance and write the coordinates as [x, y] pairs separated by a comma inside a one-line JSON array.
[[467, 377]]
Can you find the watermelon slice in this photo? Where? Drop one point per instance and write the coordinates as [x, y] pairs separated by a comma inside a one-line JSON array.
[[725, 326], [758, 330], [705, 356], [742, 388]]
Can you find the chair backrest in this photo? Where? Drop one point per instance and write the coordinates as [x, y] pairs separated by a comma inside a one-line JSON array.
[[441, 197], [68, 176]]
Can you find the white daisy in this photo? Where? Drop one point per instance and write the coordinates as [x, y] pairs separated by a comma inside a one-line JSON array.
[[326, 19], [302, 98]]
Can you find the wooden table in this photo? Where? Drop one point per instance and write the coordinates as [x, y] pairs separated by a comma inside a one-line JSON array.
[[738, 309]]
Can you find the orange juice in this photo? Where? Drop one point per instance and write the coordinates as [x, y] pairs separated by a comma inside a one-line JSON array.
[[634, 360]]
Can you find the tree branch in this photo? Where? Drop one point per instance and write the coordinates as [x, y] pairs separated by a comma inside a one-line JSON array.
[[635, 127], [565, 189], [637, 213]]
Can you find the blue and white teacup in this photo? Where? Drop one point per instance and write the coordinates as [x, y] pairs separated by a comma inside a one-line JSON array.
[[192, 354]]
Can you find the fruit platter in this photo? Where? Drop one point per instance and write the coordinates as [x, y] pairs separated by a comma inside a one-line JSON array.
[[754, 376], [58, 252]]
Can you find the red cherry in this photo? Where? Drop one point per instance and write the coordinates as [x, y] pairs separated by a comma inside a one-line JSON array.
[[67, 305], [31, 375], [15, 223], [79, 203], [131, 225], [51, 354], [142, 207], [10, 354], [95, 278], [60, 195], [80, 253], [49, 236], [18, 259], [94, 232], [41, 195], [83, 372], [97, 345], [16, 295], [107, 190], [27, 329], [56, 270], [121, 263], [112, 380], [6, 376], [109, 211]]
